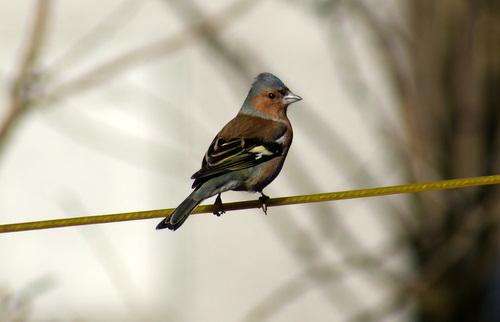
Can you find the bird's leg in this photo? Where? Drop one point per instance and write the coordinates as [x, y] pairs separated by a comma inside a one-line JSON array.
[[218, 202], [263, 199]]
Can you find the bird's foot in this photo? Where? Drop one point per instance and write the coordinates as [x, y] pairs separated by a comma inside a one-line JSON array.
[[218, 202], [263, 199]]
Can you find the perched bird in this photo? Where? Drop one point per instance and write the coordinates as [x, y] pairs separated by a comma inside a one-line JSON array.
[[248, 153]]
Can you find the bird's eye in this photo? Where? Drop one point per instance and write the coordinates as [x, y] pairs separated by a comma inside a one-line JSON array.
[[271, 96]]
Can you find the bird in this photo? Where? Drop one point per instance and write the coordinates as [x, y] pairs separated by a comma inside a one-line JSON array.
[[248, 153]]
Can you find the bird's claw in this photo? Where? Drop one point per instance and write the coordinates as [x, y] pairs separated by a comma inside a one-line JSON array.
[[263, 199], [218, 202]]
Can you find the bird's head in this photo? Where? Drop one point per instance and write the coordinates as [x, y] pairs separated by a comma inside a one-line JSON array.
[[269, 96]]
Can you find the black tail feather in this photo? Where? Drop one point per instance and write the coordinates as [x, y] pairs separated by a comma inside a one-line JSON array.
[[180, 214]]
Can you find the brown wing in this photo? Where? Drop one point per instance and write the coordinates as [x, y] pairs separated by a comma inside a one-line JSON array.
[[225, 156], [244, 142]]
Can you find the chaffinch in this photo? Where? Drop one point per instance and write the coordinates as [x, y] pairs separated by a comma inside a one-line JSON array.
[[248, 153]]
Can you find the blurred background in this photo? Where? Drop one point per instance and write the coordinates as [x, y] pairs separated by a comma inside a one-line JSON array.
[[108, 107]]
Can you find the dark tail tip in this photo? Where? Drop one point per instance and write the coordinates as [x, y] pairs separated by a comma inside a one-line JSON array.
[[180, 214], [165, 223]]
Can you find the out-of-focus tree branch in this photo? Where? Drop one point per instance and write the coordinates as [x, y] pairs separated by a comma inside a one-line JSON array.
[[155, 50], [27, 93], [99, 34], [24, 86]]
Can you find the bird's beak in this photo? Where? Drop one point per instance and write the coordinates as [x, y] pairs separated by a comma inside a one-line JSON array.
[[291, 98]]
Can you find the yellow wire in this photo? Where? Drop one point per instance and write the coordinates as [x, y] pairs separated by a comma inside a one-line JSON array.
[[350, 194]]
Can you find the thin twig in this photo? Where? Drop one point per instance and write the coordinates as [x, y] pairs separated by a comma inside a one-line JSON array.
[[23, 85], [99, 34], [157, 49]]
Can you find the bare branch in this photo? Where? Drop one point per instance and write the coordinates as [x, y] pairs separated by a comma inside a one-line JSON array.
[[23, 85], [107, 70]]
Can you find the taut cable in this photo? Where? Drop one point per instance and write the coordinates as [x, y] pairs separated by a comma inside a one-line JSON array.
[[293, 200]]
